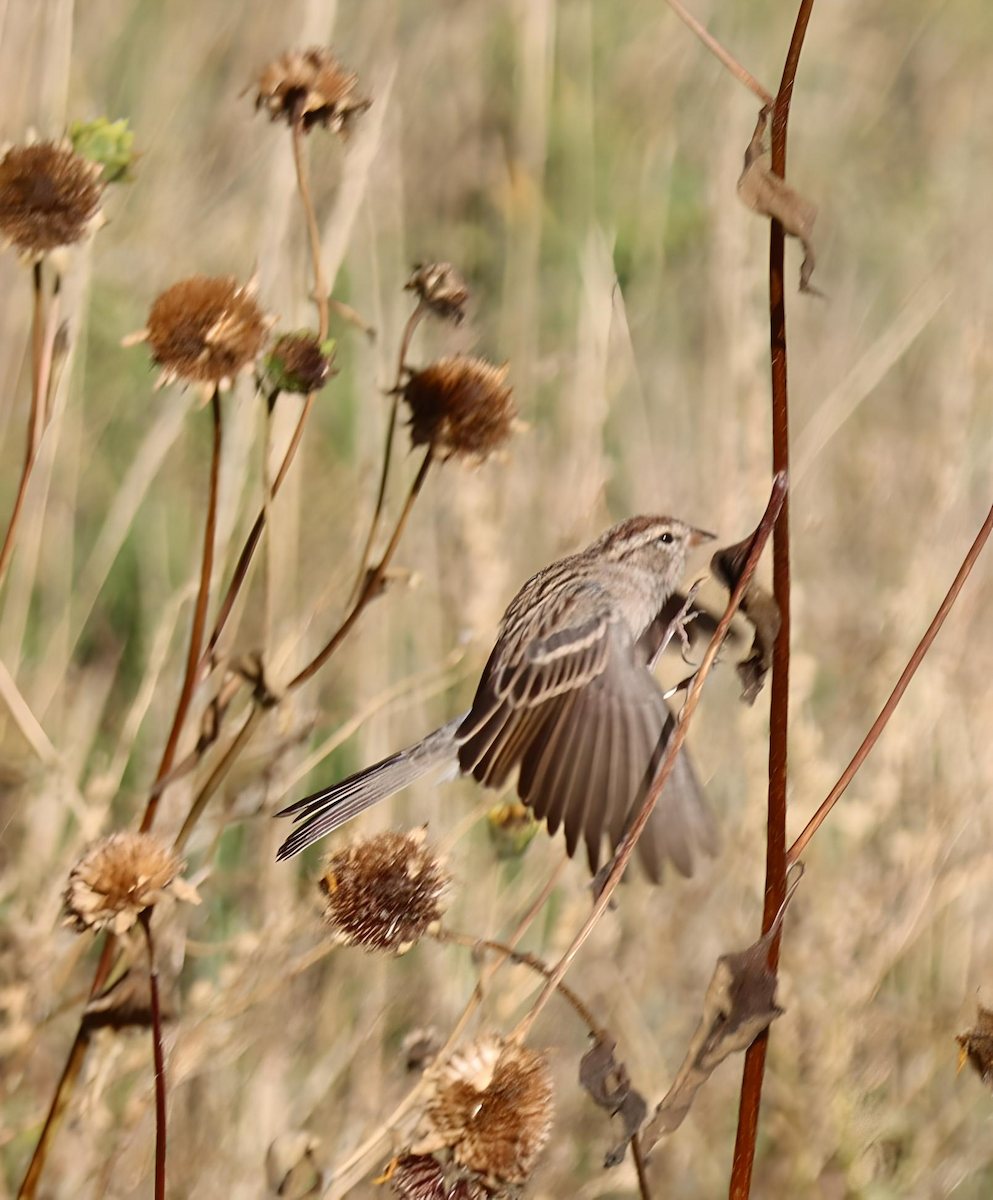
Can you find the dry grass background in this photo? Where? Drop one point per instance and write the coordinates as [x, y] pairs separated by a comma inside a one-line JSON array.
[[577, 160]]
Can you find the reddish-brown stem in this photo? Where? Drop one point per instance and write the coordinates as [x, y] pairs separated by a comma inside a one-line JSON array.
[[715, 47], [60, 1101], [37, 401], [628, 842], [371, 585], [408, 332], [775, 870], [889, 707], [159, 1061], [199, 619]]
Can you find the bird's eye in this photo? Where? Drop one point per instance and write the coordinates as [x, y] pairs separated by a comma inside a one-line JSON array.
[[665, 539]]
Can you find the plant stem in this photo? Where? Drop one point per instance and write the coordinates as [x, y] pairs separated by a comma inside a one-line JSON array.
[[37, 402], [408, 332], [524, 960], [199, 619], [628, 842], [160, 1077], [715, 47], [895, 696], [320, 292], [371, 585], [775, 871]]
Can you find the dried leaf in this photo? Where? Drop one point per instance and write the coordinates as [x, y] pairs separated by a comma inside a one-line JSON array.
[[976, 1046], [740, 1003], [608, 1082], [762, 612], [763, 192]]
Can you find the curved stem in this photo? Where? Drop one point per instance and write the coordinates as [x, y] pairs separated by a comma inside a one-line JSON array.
[[371, 585], [159, 1060], [628, 842], [408, 332], [849, 773], [320, 293], [775, 874], [216, 776], [56, 1110], [199, 619], [715, 47]]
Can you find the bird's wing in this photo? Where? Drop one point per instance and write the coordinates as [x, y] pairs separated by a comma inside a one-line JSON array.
[[586, 721]]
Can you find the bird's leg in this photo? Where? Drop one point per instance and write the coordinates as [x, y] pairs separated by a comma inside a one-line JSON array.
[[677, 625]]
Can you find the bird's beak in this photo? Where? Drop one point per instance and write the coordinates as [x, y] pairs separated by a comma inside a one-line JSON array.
[[699, 536]]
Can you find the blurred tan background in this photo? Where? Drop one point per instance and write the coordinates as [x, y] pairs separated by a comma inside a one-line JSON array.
[[577, 161]]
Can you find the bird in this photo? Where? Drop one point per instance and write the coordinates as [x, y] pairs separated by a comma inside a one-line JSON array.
[[569, 699]]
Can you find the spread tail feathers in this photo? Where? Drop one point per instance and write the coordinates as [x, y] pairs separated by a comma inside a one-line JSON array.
[[326, 810]]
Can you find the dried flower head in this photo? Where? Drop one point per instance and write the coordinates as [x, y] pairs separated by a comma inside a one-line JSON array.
[[298, 362], [124, 874], [384, 892], [460, 406], [49, 197], [441, 288], [312, 87], [491, 1104], [422, 1178], [204, 331], [976, 1046]]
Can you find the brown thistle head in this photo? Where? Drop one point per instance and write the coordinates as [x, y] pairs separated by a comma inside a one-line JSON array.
[[204, 331], [460, 407], [299, 362], [491, 1104], [441, 289], [121, 877], [49, 197], [384, 892], [310, 87]]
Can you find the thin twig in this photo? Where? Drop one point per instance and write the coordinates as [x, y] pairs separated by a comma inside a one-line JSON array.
[[715, 47], [371, 585], [199, 619], [524, 959], [320, 292], [31, 442], [408, 332], [628, 842], [56, 1110], [775, 872], [217, 775], [896, 695], [159, 1060], [639, 1166]]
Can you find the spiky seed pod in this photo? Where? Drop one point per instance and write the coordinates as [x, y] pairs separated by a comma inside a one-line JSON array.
[[384, 892], [204, 331], [441, 288], [491, 1104], [460, 406], [113, 884], [422, 1178], [298, 362], [49, 197], [312, 87]]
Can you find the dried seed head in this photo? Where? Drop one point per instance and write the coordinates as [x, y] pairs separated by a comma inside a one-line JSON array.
[[312, 87], [124, 874], [976, 1046], [460, 406], [49, 197], [204, 331], [298, 362], [441, 288], [385, 892], [491, 1103], [422, 1178]]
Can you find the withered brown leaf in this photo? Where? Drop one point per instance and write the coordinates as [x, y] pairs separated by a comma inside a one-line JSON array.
[[760, 609], [763, 192], [976, 1046], [609, 1083], [739, 1004]]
